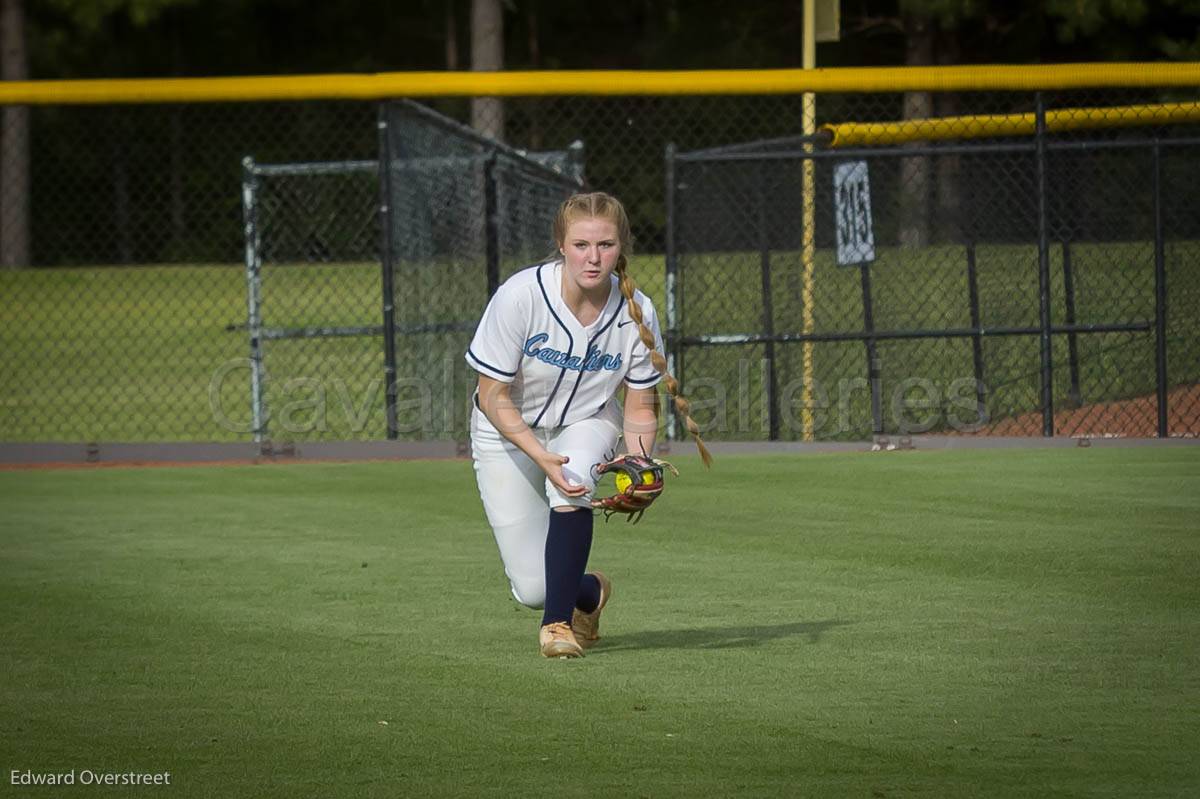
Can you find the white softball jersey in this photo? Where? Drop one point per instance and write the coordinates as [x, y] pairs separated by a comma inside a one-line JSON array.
[[560, 372]]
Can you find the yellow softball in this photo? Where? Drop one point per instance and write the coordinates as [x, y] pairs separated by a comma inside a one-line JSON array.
[[623, 481]]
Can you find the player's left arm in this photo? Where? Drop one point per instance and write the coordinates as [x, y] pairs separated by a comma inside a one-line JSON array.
[[641, 420]]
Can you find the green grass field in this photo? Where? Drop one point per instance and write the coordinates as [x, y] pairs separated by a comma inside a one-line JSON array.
[[1000, 623]]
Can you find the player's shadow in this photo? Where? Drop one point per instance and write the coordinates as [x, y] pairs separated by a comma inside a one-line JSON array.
[[716, 637]]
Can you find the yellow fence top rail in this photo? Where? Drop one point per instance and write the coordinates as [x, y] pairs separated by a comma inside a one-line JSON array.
[[614, 82], [874, 134]]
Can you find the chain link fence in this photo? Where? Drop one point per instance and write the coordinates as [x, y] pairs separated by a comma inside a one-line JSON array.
[[229, 272]]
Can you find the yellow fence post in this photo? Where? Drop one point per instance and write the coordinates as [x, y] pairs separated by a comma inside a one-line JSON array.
[[808, 248]]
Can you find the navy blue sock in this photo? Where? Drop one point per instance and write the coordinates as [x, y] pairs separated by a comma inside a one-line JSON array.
[[589, 594], [568, 543]]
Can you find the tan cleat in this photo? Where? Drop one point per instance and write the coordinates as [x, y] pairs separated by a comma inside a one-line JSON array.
[[586, 626], [558, 641]]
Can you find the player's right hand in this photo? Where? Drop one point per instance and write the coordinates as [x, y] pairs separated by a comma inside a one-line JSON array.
[[551, 463]]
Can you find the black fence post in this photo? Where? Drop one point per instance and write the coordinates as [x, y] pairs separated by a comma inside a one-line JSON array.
[[873, 370], [768, 312], [387, 263], [491, 221], [674, 332], [1160, 296], [977, 338], [1072, 337], [1044, 274]]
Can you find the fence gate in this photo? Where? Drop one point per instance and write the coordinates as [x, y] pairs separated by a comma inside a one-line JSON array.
[[365, 279]]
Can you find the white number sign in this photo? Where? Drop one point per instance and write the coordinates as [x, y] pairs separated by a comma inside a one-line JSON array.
[[852, 194]]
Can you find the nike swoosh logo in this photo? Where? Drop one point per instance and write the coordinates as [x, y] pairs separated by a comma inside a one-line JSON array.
[[626, 322]]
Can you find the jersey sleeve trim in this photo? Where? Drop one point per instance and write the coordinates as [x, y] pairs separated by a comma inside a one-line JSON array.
[[484, 366], [649, 381]]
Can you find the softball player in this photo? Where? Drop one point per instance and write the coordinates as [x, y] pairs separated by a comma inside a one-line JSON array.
[[556, 344]]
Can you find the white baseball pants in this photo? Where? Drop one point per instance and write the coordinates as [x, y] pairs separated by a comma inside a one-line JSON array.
[[517, 496]]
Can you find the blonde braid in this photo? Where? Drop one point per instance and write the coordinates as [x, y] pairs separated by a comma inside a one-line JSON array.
[[682, 406]]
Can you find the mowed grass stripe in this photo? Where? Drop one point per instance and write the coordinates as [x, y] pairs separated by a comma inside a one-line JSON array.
[[914, 623]]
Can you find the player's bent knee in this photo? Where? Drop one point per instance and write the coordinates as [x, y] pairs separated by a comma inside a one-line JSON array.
[[530, 593]]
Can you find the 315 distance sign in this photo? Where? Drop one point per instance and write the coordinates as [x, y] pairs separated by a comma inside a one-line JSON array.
[[852, 196]]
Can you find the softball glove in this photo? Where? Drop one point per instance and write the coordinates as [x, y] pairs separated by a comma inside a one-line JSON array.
[[639, 481]]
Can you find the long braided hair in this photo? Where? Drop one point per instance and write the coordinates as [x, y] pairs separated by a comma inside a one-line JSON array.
[[598, 205]]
